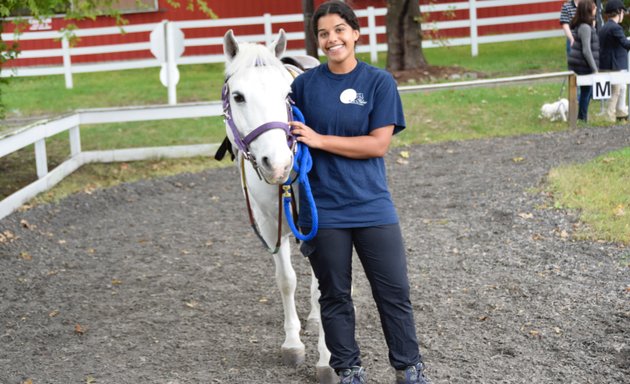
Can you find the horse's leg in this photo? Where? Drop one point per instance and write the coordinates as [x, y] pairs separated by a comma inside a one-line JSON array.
[[325, 374], [292, 348]]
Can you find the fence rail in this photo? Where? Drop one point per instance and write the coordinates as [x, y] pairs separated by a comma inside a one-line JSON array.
[[268, 22]]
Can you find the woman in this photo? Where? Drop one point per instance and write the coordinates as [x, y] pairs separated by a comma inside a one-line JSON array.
[[352, 110], [584, 55]]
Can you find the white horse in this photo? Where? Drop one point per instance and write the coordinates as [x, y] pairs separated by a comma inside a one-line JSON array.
[[256, 106]]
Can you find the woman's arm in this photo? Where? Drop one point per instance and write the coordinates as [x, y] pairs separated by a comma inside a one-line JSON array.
[[584, 34], [374, 144]]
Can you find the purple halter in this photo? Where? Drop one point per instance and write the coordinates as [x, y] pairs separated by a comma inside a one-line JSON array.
[[242, 143]]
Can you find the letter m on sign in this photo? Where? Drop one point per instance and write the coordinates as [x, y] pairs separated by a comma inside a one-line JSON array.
[[601, 87]]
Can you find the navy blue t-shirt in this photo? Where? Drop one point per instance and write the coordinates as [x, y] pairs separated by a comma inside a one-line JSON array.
[[348, 192]]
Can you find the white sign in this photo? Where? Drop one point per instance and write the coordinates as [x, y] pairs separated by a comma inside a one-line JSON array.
[[158, 42], [601, 87], [164, 73], [40, 25]]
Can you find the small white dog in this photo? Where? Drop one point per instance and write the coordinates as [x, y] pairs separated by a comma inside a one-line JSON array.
[[555, 111]]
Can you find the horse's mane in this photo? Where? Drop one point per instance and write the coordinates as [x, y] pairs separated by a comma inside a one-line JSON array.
[[251, 55]]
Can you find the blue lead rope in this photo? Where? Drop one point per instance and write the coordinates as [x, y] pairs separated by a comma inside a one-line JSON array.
[[302, 165]]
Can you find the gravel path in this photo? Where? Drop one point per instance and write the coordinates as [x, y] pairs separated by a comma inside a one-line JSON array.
[[162, 281]]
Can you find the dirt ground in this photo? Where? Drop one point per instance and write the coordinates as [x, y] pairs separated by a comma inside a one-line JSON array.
[[163, 281]]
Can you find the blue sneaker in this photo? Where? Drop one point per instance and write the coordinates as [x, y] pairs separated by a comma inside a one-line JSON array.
[[354, 375], [413, 374]]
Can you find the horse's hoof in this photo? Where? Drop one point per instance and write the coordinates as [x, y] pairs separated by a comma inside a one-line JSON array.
[[292, 357], [312, 326], [326, 375]]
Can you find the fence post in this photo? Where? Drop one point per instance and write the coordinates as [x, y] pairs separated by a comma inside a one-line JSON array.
[[75, 141], [171, 67], [372, 34], [40, 158], [573, 107], [268, 29], [67, 62], [474, 43]]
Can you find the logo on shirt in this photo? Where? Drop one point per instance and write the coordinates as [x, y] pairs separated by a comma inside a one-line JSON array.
[[350, 96]]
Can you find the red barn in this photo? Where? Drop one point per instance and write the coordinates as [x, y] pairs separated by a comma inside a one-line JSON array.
[[158, 10]]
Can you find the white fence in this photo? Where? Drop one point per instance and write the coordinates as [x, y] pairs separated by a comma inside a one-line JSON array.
[[270, 22], [38, 132]]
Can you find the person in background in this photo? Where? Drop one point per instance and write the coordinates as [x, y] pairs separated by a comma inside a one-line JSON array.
[[584, 55], [613, 56], [352, 110], [566, 15]]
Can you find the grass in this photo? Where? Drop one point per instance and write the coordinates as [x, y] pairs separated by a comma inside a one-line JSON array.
[[600, 190], [431, 117]]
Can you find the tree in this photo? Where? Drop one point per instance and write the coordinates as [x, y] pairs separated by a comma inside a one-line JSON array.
[[310, 42], [80, 9], [404, 36]]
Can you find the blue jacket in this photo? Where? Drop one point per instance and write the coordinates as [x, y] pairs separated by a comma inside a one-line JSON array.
[[613, 47]]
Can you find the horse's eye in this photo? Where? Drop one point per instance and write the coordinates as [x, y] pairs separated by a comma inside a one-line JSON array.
[[239, 98]]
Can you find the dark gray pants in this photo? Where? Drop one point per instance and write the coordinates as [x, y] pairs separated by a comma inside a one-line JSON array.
[[382, 254]]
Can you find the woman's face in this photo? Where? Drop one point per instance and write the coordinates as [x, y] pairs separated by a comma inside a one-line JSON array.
[[336, 38]]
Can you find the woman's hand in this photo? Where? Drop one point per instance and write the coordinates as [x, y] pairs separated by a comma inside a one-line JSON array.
[[306, 135]]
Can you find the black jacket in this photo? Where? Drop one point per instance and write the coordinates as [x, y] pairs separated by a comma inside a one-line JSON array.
[[578, 63], [613, 47]]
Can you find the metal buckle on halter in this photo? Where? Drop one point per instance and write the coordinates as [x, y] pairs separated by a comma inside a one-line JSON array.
[[287, 191]]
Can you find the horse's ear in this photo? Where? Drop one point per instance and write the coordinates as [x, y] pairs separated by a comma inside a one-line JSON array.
[[230, 45], [280, 45]]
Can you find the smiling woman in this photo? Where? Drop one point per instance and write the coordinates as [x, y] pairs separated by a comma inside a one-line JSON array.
[[351, 112]]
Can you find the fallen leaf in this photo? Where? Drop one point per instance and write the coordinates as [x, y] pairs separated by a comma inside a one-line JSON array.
[[26, 224], [518, 159], [116, 282], [27, 381], [537, 236], [89, 189], [26, 256], [402, 161], [7, 237], [79, 329], [54, 313], [483, 318], [619, 210], [404, 154], [526, 215], [534, 333], [90, 380], [564, 234], [192, 304]]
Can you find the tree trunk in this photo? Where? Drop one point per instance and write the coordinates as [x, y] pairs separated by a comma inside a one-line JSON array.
[[309, 41], [404, 36]]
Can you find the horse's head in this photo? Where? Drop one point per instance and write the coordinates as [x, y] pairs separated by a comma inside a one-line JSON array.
[[256, 105]]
